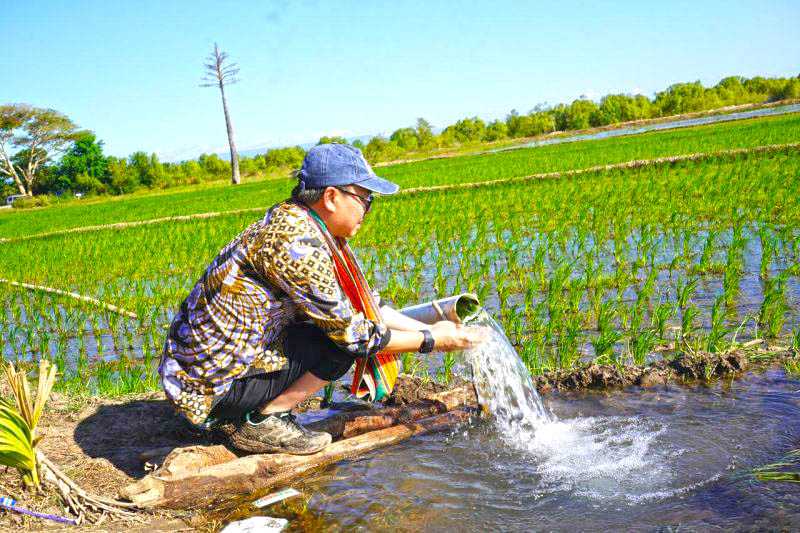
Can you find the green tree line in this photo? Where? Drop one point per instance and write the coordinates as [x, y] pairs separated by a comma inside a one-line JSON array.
[[583, 113], [83, 168]]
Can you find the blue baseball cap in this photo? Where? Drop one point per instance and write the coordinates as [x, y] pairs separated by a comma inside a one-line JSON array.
[[333, 165]]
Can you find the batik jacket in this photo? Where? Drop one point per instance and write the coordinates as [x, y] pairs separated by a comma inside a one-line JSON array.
[[277, 272]]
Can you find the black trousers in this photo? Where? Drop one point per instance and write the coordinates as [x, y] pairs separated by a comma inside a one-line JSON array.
[[308, 349]]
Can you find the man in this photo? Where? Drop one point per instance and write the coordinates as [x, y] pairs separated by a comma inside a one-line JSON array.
[[268, 324]]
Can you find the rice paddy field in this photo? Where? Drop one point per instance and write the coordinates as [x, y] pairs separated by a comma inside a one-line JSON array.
[[619, 266], [740, 134], [625, 265]]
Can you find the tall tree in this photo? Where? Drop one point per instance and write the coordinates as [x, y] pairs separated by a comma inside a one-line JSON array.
[[84, 157], [219, 74], [38, 134]]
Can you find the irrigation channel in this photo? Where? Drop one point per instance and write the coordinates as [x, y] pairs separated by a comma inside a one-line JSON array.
[[656, 126], [666, 459]]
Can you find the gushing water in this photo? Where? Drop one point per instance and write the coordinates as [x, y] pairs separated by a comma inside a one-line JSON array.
[[504, 385], [596, 457]]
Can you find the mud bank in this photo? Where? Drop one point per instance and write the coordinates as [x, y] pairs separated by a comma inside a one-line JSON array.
[[679, 369]]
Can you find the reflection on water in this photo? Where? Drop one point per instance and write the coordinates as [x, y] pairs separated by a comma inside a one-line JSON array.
[[619, 132]]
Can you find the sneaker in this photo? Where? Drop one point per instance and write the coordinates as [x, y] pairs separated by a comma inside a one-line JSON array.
[[277, 433]]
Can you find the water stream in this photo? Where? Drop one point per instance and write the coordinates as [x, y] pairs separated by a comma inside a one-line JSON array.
[[596, 457], [662, 459]]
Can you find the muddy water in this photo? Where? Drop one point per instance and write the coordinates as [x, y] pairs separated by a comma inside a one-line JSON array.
[[665, 459], [763, 112]]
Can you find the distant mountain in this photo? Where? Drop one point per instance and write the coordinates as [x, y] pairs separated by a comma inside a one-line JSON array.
[[305, 146]]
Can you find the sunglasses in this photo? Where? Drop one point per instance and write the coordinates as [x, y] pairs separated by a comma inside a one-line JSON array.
[[366, 201]]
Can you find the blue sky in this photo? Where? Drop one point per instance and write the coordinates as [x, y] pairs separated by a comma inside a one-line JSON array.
[[129, 70]]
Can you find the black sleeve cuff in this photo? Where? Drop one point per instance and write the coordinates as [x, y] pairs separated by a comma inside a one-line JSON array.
[[381, 344]]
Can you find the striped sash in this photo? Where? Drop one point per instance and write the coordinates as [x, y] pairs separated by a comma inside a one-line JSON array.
[[374, 376]]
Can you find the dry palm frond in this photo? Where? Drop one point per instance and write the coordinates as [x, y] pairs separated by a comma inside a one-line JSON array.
[[16, 444], [31, 408], [18, 437]]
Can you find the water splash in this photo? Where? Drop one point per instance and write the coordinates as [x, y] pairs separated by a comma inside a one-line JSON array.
[[595, 457]]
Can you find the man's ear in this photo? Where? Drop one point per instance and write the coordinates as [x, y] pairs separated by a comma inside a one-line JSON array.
[[328, 199]]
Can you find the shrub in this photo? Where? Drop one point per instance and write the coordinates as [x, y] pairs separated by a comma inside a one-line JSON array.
[[29, 202]]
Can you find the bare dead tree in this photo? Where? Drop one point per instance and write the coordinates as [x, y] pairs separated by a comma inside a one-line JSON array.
[[219, 74]]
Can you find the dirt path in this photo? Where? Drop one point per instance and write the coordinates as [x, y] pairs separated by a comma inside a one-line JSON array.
[[99, 445]]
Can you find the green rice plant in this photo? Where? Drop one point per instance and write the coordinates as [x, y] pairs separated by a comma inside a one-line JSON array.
[[718, 330], [769, 246], [730, 282], [606, 315], [445, 373], [772, 314], [604, 344], [641, 344], [688, 321], [567, 348], [660, 317], [411, 363], [708, 252]]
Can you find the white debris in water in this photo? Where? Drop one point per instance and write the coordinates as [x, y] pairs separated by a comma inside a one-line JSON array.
[[276, 497], [260, 524], [597, 457]]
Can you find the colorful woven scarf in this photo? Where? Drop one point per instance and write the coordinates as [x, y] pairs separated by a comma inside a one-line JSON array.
[[374, 376]]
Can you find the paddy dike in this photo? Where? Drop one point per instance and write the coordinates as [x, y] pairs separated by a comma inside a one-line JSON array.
[[681, 369]]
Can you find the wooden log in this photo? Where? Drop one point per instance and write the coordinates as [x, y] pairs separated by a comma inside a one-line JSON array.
[[350, 424], [184, 489]]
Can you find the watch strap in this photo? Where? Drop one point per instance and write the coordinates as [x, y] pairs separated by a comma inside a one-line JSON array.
[[428, 342]]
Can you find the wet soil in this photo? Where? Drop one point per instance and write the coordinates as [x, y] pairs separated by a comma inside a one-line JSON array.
[[681, 369], [409, 389]]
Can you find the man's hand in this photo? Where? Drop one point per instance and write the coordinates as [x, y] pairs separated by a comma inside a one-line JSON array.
[[449, 336]]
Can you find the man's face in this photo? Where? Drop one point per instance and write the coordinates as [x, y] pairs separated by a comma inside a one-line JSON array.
[[350, 204]]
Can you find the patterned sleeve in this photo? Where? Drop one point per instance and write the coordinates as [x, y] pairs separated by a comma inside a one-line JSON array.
[[299, 264]]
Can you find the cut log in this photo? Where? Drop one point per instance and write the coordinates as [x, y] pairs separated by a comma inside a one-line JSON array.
[[186, 489], [350, 424]]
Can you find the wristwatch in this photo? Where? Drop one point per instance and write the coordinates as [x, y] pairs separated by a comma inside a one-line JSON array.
[[427, 343]]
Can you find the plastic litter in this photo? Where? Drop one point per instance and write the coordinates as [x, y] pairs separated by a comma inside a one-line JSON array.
[[11, 505], [256, 524], [275, 497]]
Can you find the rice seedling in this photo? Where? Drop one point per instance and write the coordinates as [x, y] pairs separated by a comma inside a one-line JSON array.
[[660, 317], [772, 314], [604, 345], [613, 251], [718, 329]]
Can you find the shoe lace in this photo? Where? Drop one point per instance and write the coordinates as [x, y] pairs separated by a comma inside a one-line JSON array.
[[290, 419]]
